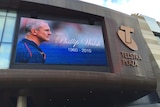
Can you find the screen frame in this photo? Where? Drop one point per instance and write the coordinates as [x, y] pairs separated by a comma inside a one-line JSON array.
[[89, 21]]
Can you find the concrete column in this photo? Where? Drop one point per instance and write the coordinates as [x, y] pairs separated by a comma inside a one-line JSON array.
[[22, 101]]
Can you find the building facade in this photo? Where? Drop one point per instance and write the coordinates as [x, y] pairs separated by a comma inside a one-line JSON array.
[[95, 56], [150, 30]]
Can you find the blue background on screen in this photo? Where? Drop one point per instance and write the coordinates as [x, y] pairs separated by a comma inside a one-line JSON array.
[[61, 55]]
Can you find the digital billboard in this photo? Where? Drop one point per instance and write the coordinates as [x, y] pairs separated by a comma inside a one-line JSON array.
[[59, 42]]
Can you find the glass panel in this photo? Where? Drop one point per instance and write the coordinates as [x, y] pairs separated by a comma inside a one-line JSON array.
[[3, 12], [5, 53], [152, 24], [11, 14], [9, 29], [2, 19]]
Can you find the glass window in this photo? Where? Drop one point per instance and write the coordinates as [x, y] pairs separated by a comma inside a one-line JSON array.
[[9, 30], [5, 53], [152, 24], [7, 26], [3, 12], [11, 14], [2, 20]]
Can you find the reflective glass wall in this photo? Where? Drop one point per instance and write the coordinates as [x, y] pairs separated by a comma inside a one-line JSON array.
[[7, 26]]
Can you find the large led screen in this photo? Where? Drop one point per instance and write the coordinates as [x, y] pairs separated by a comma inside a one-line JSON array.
[[62, 43]]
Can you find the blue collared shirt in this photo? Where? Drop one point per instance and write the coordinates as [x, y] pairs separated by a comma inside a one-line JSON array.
[[29, 52]]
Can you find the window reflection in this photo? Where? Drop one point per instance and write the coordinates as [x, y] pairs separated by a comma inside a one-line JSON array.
[[5, 53], [11, 14], [2, 19], [3, 12], [9, 30], [7, 26]]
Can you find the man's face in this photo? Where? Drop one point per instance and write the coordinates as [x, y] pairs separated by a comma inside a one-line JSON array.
[[43, 33]]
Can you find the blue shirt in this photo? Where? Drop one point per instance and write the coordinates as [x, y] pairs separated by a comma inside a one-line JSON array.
[[29, 52]]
